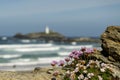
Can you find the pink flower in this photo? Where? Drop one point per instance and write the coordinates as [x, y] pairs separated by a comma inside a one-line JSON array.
[[61, 62], [76, 69], [72, 76], [71, 55], [100, 78], [55, 73], [67, 59], [54, 63], [86, 78], [102, 69], [80, 53], [83, 49], [89, 50], [103, 65], [81, 76], [76, 56]]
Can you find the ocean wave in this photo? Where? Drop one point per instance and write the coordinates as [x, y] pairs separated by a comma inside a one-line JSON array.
[[49, 59], [63, 53], [19, 63], [20, 60], [36, 49], [6, 56], [25, 45], [76, 46], [28, 61], [40, 47]]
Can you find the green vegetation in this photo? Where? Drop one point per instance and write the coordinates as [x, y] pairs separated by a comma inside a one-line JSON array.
[[79, 66]]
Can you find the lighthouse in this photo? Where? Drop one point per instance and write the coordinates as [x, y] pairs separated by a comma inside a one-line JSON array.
[[47, 31]]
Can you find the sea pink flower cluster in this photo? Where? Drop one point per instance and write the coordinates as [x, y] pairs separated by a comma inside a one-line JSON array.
[[67, 59], [53, 63], [76, 54], [60, 63], [55, 73], [80, 68]]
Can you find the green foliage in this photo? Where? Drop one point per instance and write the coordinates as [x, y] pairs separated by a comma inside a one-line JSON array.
[[94, 78], [83, 67], [106, 75]]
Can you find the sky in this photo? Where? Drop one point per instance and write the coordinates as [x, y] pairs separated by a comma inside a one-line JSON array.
[[87, 18]]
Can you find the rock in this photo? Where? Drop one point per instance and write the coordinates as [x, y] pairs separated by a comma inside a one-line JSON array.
[[54, 36], [37, 35], [115, 66], [97, 55], [111, 43], [45, 69], [37, 69], [20, 36]]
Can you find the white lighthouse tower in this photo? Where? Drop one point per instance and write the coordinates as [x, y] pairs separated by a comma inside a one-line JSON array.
[[47, 31]]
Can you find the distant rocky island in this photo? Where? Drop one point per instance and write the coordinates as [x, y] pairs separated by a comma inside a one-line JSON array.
[[49, 35]]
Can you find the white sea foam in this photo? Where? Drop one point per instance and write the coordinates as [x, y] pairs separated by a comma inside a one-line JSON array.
[[10, 56], [25, 45], [63, 53], [4, 38], [18, 63], [25, 41], [37, 49], [77, 46], [24, 62], [20, 60], [49, 59]]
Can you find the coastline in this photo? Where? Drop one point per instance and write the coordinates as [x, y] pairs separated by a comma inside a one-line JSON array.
[[22, 67], [25, 75], [107, 62]]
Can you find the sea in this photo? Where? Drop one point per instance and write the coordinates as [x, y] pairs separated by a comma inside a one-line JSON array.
[[25, 54]]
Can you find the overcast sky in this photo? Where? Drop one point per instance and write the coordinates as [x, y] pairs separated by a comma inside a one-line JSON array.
[[69, 17]]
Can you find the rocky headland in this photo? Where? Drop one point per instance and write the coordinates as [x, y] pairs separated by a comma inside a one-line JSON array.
[[111, 43], [54, 36]]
